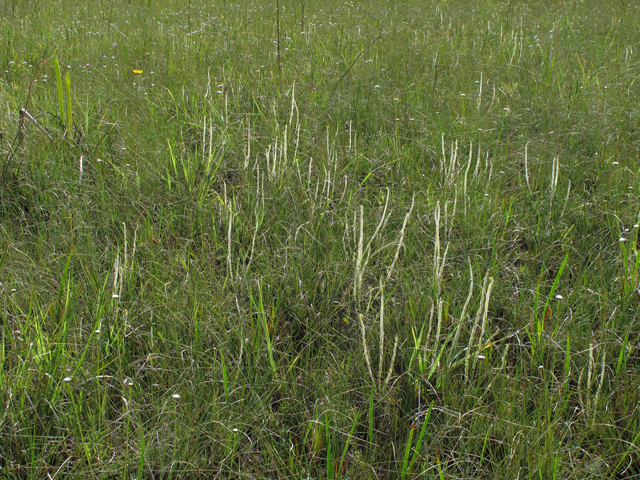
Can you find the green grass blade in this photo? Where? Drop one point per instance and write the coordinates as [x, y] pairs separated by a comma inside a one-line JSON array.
[[225, 379], [407, 451], [69, 113], [423, 430], [330, 459], [59, 88], [556, 281], [263, 319], [347, 442]]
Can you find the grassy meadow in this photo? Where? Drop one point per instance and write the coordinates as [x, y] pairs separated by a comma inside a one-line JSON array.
[[388, 239]]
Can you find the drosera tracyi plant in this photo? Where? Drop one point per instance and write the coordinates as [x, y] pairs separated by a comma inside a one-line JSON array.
[[382, 239]]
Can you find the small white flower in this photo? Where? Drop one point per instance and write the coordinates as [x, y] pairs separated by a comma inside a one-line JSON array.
[[481, 357], [66, 379], [115, 295], [175, 396], [559, 297]]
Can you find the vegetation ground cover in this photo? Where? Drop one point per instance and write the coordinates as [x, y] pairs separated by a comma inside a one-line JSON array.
[[294, 239]]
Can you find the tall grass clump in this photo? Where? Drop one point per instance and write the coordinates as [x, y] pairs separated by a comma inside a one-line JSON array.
[[381, 239]]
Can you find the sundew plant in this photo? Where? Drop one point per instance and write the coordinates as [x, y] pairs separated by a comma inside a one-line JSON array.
[[387, 239]]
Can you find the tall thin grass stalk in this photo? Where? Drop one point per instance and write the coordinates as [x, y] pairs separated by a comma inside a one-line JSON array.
[[230, 218], [526, 165], [463, 315], [363, 253], [479, 94], [448, 167], [485, 317], [439, 257], [555, 173], [381, 352], [378, 384], [367, 357], [436, 247], [247, 154], [466, 174], [403, 232], [479, 314]]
